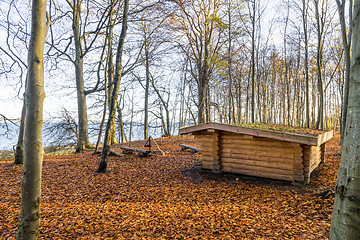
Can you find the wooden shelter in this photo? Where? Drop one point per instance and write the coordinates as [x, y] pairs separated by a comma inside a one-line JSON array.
[[259, 152]]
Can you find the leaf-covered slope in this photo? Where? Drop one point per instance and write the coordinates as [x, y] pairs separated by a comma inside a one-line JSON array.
[[168, 197]]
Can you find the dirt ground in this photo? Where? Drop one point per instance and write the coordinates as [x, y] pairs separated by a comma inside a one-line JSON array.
[[169, 197]]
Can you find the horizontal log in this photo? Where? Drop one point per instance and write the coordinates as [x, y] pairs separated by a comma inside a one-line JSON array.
[[290, 161], [205, 139], [311, 157], [315, 164], [314, 153], [311, 149], [187, 147], [261, 163], [229, 146], [113, 152], [238, 153], [208, 158], [207, 165], [258, 173], [142, 152], [257, 168], [209, 154], [299, 178], [309, 169], [260, 143], [309, 163], [207, 144], [298, 165]]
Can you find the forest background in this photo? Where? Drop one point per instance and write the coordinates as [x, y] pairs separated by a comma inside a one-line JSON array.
[[185, 62]]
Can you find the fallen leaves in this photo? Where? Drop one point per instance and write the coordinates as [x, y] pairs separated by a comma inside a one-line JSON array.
[[168, 197]]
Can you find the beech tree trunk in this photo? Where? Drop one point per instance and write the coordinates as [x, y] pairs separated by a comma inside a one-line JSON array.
[[345, 220], [319, 63], [79, 74], [147, 86], [29, 219], [110, 64], [117, 79], [306, 63], [346, 38]]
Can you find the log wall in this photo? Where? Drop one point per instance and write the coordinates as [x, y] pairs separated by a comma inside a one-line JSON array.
[[313, 156], [209, 144], [261, 157]]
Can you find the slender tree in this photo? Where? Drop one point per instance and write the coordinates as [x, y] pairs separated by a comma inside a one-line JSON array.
[[346, 38], [117, 79], [29, 219]]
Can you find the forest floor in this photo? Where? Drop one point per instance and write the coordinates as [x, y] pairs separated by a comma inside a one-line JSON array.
[[169, 197]]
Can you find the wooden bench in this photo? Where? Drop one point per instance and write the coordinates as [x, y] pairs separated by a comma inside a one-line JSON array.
[[142, 152], [185, 147]]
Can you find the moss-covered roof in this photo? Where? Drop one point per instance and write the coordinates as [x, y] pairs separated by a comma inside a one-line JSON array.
[[280, 132]]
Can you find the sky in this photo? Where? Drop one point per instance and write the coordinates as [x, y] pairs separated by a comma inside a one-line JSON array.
[[11, 105]]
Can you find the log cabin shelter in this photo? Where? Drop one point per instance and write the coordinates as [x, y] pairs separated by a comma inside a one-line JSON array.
[[259, 152]]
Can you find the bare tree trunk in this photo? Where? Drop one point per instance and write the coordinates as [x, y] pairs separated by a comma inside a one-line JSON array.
[[147, 85], [346, 37], [345, 220], [19, 151], [29, 219], [253, 21], [112, 109], [83, 142], [306, 63], [110, 69], [319, 62], [123, 138]]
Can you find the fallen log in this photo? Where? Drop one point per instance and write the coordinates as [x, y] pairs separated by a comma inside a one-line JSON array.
[[185, 147], [113, 152], [142, 152]]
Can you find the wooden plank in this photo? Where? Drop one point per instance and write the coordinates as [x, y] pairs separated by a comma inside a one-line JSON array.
[[229, 146], [322, 138], [206, 144], [258, 173], [312, 157], [206, 165], [299, 178], [277, 158], [311, 149], [279, 161], [207, 153], [260, 145], [314, 165], [237, 153], [269, 164], [205, 140], [273, 143], [257, 168], [309, 163]]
